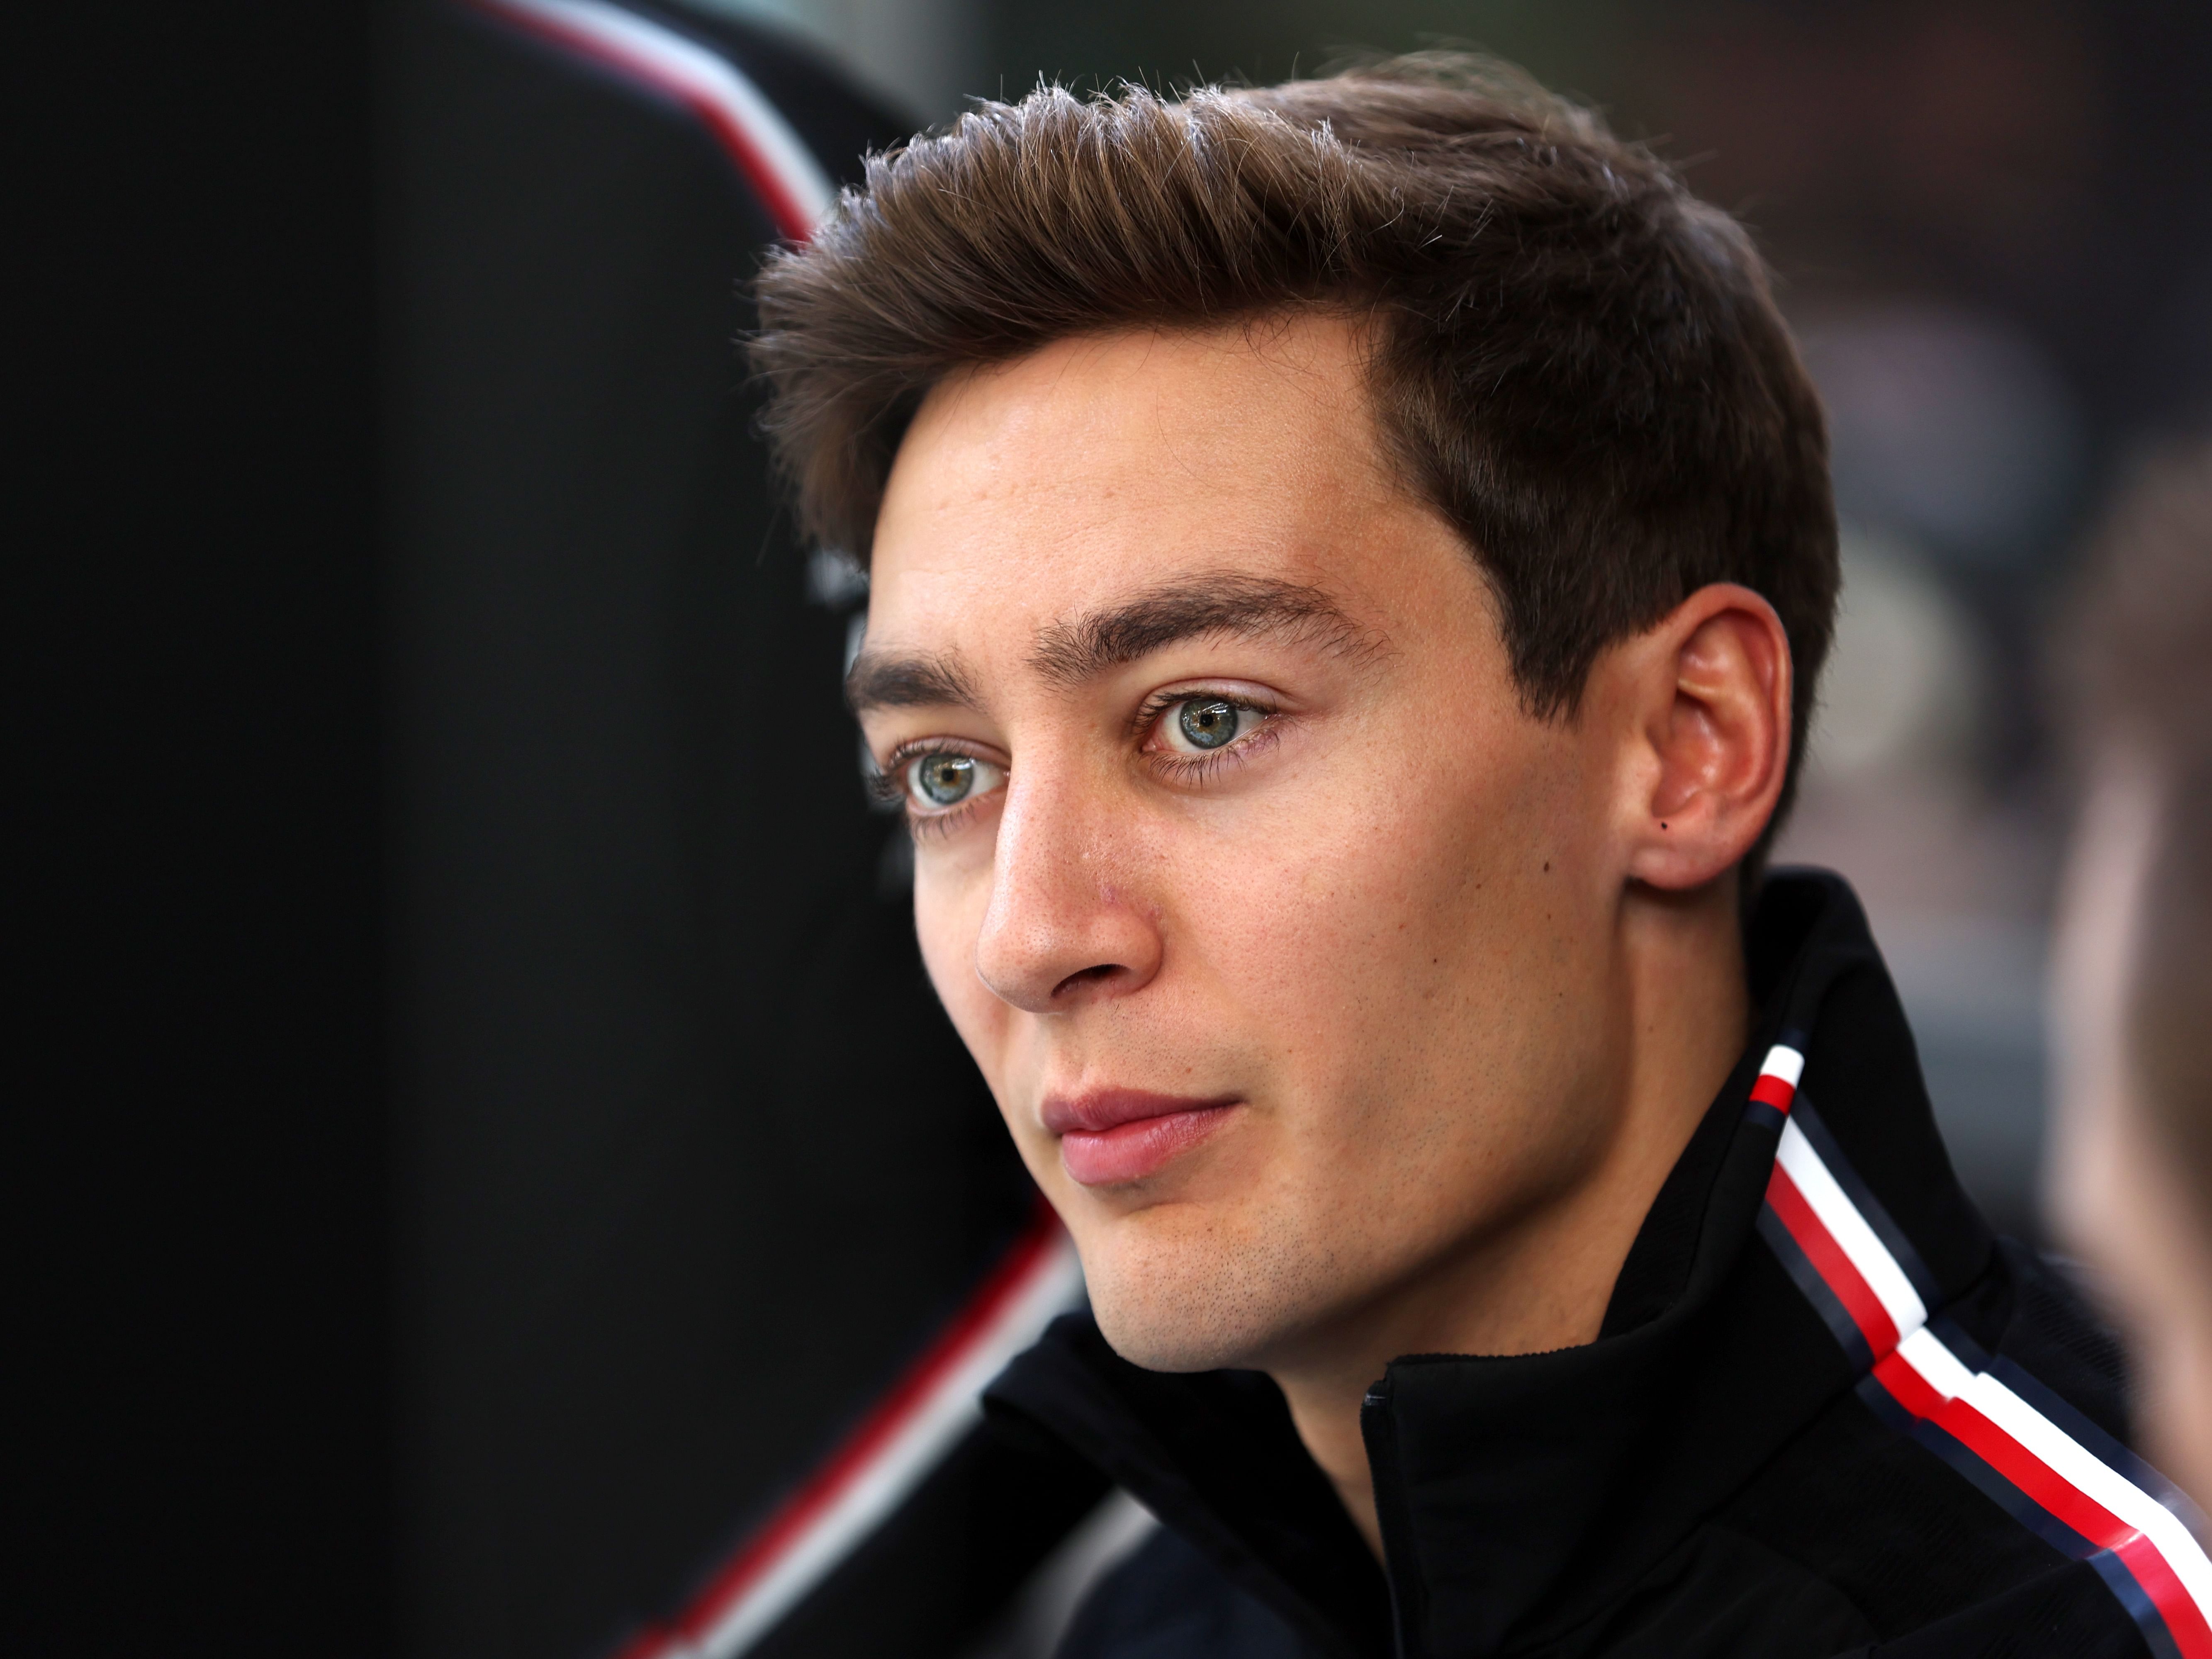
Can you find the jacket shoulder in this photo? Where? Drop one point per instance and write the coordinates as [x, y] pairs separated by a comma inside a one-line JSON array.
[[1940, 1554]]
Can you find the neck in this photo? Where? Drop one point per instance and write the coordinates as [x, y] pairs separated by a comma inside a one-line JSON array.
[[1542, 1278]]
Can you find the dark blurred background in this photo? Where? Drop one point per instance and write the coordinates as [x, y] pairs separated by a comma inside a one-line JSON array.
[[389, 1188]]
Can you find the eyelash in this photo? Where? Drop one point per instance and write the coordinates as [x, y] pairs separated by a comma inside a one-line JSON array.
[[888, 785], [1197, 769]]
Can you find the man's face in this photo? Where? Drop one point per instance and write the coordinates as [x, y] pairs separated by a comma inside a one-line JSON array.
[[1278, 929]]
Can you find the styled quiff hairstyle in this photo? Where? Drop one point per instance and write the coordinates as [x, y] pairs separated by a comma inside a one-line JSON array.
[[1579, 363]]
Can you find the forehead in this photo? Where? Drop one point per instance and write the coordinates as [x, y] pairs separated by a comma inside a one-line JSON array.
[[1099, 465]]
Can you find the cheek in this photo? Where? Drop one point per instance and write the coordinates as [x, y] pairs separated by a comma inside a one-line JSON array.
[[1419, 972], [1358, 893], [948, 914]]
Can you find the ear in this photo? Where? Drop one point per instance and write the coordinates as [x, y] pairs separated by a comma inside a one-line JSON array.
[[1707, 694]]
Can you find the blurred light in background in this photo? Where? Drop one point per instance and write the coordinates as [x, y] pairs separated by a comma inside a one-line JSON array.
[[1950, 427]]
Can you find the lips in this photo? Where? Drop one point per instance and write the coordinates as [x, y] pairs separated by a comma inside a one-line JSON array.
[[1114, 1135]]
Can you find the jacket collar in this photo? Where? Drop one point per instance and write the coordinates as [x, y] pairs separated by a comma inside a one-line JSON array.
[[1522, 1496]]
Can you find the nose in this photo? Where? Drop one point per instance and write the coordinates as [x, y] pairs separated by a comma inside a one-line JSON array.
[[1066, 927]]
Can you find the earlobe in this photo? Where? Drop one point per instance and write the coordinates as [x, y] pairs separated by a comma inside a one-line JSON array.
[[1714, 695]]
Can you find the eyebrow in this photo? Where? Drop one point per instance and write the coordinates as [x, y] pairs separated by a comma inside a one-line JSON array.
[[926, 681], [1216, 604], [1219, 605]]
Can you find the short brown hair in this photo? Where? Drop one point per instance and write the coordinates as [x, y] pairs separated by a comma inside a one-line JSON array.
[[1576, 361], [2144, 670]]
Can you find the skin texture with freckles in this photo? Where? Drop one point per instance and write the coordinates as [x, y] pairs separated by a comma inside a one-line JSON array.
[[1464, 979]]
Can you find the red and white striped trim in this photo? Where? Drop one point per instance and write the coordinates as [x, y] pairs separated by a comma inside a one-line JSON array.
[[774, 158], [1846, 1249], [1776, 1084], [2057, 1472], [882, 1461], [1921, 1373]]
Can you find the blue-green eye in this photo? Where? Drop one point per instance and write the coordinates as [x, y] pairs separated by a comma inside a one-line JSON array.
[[937, 782], [1205, 724]]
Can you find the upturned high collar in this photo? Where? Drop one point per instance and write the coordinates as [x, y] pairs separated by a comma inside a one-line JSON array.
[[1523, 1497]]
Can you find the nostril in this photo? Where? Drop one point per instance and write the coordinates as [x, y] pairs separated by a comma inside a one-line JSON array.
[[1098, 975]]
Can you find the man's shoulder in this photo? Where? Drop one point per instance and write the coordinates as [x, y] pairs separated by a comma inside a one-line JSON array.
[[1912, 1526]]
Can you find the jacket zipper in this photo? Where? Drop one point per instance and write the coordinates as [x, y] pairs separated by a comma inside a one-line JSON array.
[[1378, 1428]]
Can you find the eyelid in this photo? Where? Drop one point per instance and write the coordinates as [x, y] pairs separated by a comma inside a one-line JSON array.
[[1150, 713], [1189, 769], [1240, 693], [910, 748], [888, 784]]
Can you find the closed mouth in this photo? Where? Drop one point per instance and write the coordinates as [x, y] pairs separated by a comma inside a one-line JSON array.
[[1109, 1137]]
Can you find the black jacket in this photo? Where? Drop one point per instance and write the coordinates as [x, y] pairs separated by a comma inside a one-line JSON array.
[[1756, 1456]]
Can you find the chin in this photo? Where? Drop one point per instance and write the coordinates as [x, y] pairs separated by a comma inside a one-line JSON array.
[[1190, 1304], [1164, 1333]]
